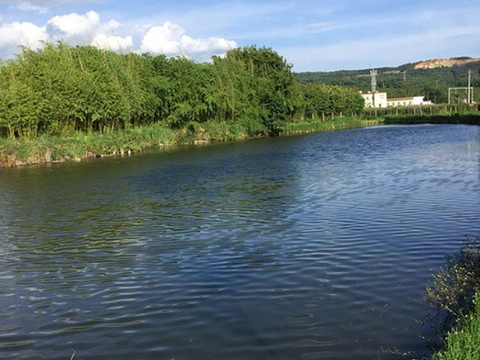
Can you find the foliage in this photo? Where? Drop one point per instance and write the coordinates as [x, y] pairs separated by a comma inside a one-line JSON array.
[[76, 145], [454, 285], [323, 100], [61, 89], [463, 341], [273, 82]]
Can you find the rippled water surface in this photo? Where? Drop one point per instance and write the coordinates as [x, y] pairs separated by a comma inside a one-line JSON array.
[[308, 247]]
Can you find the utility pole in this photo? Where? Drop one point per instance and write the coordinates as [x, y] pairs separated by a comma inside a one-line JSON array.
[[373, 74], [468, 88]]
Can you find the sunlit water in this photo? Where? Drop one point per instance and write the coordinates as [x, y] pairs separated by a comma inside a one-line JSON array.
[[308, 247]]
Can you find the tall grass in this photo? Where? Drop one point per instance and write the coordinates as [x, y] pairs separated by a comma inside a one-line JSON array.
[[78, 145], [463, 342], [455, 292], [328, 125], [211, 131]]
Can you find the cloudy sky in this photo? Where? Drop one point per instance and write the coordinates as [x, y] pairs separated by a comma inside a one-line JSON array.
[[320, 35]]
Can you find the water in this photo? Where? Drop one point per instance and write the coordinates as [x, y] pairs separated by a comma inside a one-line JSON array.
[[308, 247]]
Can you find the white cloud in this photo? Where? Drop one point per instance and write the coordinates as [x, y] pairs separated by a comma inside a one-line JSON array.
[[163, 39], [171, 40], [74, 28], [88, 29], [18, 34], [28, 6], [113, 43], [42, 6]]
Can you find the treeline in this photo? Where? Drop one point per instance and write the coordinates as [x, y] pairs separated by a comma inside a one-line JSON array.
[[457, 118], [405, 80], [60, 89]]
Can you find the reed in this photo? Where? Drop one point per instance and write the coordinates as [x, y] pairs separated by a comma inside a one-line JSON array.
[[463, 341], [329, 125], [78, 145], [455, 292]]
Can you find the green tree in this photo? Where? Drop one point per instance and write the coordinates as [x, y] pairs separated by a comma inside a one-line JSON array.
[[19, 103], [59, 89], [274, 84]]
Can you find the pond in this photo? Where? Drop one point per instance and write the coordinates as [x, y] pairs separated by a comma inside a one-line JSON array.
[[306, 247]]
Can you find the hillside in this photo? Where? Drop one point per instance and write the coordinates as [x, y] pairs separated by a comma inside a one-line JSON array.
[[436, 63], [430, 78]]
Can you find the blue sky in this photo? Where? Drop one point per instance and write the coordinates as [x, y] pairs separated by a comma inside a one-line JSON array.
[[321, 35]]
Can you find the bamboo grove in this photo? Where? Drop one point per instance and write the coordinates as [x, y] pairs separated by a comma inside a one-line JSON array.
[[60, 89]]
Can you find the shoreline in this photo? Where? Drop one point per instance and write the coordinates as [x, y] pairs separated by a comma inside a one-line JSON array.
[[79, 147], [49, 149]]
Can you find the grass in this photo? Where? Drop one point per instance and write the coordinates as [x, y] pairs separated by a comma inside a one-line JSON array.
[[463, 342], [76, 146], [455, 291], [329, 125]]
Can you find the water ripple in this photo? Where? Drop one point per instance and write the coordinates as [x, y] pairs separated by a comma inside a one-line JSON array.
[[307, 247]]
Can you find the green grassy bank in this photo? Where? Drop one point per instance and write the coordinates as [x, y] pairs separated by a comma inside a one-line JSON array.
[[463, 342], [455, 291], [329, 125], [78, 145]]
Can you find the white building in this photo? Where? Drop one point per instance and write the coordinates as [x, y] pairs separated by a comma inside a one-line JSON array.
[[376, 99], [380, 100], [408, 101]]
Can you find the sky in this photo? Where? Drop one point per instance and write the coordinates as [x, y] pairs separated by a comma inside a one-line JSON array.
[[322, 35]]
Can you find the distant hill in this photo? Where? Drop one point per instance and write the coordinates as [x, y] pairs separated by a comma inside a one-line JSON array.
[[432, 64], [430, 78]]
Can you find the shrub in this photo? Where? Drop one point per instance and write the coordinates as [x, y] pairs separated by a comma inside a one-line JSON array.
[[454, 286]]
